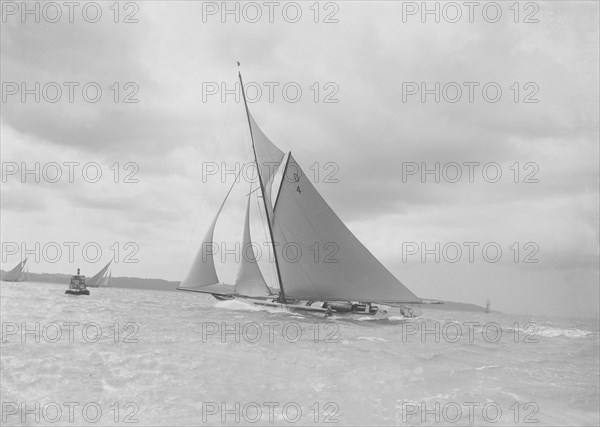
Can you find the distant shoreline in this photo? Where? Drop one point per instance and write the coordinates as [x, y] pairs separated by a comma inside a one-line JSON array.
[[115, 282]]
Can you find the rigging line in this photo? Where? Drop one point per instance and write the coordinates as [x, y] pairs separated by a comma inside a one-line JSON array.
[[281, 291], [252, 191]]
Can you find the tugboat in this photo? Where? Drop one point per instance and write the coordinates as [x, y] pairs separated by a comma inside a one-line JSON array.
[[77, 285]]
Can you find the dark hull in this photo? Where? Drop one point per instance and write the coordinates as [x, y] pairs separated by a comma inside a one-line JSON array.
[[75, 292], [326, 309], [345, 309], [222, 297]]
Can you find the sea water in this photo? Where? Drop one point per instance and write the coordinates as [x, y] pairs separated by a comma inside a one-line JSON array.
[[123, 357]]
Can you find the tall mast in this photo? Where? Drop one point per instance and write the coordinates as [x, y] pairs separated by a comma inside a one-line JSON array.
[[262, 190]]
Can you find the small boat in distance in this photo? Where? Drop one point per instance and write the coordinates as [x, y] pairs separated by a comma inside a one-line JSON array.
[[17, 274], [101, 279], [77, 285]]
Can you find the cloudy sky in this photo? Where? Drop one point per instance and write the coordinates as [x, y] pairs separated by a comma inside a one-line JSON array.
[[370, 57]]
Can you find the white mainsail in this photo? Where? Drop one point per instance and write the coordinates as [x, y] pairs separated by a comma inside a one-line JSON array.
[[250, 281], [100, 279], [16, 274], [319, 257]]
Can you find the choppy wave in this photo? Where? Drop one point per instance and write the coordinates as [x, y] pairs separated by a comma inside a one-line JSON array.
[[180, 357], [237, 305], [373, 339], [558, 332]]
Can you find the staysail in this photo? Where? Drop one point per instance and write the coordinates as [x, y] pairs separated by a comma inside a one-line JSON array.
[[250, 281], [16, 274], [319, 257], [100, 279], [203, 271]]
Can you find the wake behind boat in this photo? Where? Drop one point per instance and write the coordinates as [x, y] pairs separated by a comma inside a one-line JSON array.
[[349, 281]]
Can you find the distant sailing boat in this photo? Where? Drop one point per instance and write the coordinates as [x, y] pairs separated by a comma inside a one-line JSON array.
[[100, 279], [299, 221], [17, 274]]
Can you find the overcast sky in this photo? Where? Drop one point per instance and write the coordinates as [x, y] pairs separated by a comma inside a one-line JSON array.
[[378, 129]]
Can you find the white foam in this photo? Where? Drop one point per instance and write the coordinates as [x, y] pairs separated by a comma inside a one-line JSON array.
[[481, 368], [233, 304], [397, 318], [557, 332], [372, 339]]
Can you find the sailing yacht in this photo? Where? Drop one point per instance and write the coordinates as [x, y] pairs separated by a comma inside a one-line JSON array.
[[351, 281], [17, 274], [100, 279]]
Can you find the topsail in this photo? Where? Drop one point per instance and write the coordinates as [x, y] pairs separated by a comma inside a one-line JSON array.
[[269, 158]]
